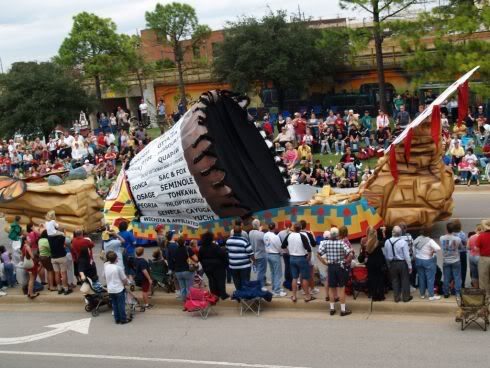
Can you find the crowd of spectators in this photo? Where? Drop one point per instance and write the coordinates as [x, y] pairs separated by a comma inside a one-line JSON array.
[[303, 138]]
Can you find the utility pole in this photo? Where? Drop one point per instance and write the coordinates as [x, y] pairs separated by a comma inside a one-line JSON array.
[[1, 65]]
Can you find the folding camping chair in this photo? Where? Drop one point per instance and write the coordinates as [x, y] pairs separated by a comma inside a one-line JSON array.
[[250, 297], [473, 306], [200, 301], [251, 305]]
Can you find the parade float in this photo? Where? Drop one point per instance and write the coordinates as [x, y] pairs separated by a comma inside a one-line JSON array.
[[214, 166], [76, 202]]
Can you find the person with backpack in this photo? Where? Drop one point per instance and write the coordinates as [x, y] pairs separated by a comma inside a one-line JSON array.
[[400, 265]]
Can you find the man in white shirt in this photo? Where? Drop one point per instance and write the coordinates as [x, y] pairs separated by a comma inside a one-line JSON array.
[[109, 138], [116, 280], [273, 249], [76, 153], [299, 250], [143, 110]]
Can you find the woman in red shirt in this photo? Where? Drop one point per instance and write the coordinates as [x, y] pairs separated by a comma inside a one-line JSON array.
[[27, 254]]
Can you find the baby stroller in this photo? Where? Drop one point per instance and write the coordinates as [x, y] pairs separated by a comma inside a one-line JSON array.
[[473, 306], [359, 280], [161, 276], [95, 296], [133, 304]]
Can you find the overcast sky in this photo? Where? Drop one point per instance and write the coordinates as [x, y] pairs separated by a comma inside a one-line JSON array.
[[34, 29]]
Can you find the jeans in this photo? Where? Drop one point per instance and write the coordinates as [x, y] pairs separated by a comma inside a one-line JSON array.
[[10, 279], [261, 265], [325, 148], [342, 146], [474, 267], [351, 169], [367, 141], [287, 272], [452, 271], [118, 302], [426, 269], [463, 258], [275, 266], [240, 276], [483, 162], [185, 279]]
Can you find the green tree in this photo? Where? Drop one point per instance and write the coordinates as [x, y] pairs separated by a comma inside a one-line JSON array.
[[176, 23], [134, 61], [38, 96], [454, 46], [381, 11], [95, 49], [289, 55]]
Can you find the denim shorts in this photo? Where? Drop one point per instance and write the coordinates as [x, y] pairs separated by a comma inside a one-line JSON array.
[[299, 266], [474, 267]]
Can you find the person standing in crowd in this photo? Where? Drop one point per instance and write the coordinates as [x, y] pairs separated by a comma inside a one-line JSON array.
[[451, 245], [214, 261], [409, 239], [403, 117], [333, 253], [28, 255], [114, 242], [129, 248], [143, 107], [273, 248], [483, 244], [161, 114], [77, 244], [8, 267], [376, 265], [256, 236], [474, 255], [285, 255], [45, 259], [14, 236], [312, 241], [463, 253], [240, 256], [86, 266], [426, 262], [183, 258], [142, 276], [400, 265], [58, 260], [299, 250], [116, 280]]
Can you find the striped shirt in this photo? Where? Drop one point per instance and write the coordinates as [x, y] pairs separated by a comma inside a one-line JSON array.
[[239, 252]]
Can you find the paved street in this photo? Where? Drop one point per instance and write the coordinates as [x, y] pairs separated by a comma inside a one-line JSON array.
[[286, 338]]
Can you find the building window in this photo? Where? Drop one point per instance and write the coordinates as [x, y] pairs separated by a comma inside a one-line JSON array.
[[196, 52]]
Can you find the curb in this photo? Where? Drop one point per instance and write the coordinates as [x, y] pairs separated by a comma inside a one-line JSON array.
[[361, 305]]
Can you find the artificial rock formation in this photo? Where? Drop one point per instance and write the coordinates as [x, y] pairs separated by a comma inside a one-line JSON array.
[[425, 185]]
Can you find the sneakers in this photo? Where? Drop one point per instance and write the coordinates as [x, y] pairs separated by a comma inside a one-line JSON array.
[[60, 291], [314, 291], [345, 313], [280, 294], [3, 293], [422, 297], [435, 297], [264, 289], [4, 288], [68, 291]]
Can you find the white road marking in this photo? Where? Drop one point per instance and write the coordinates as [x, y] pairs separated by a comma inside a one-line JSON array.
[[80, 326], [143, 359]]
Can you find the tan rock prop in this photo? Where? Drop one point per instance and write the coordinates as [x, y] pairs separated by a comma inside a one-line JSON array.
[[76, 204], [425, 186]]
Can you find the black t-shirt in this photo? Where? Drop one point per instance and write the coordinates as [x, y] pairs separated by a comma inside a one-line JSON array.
[[140, 264], [57, 246], [354, 134], [306, 170], [88, 267], [339, 135], [469, 122], [182, 253]]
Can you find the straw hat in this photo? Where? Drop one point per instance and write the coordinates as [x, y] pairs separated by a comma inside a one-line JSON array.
[[486, 224]]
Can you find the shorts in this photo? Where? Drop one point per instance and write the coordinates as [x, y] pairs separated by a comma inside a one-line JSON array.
[[299, 266], [46, 262], [337, 276], [145, 285], [59, 264], [474, 267]]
